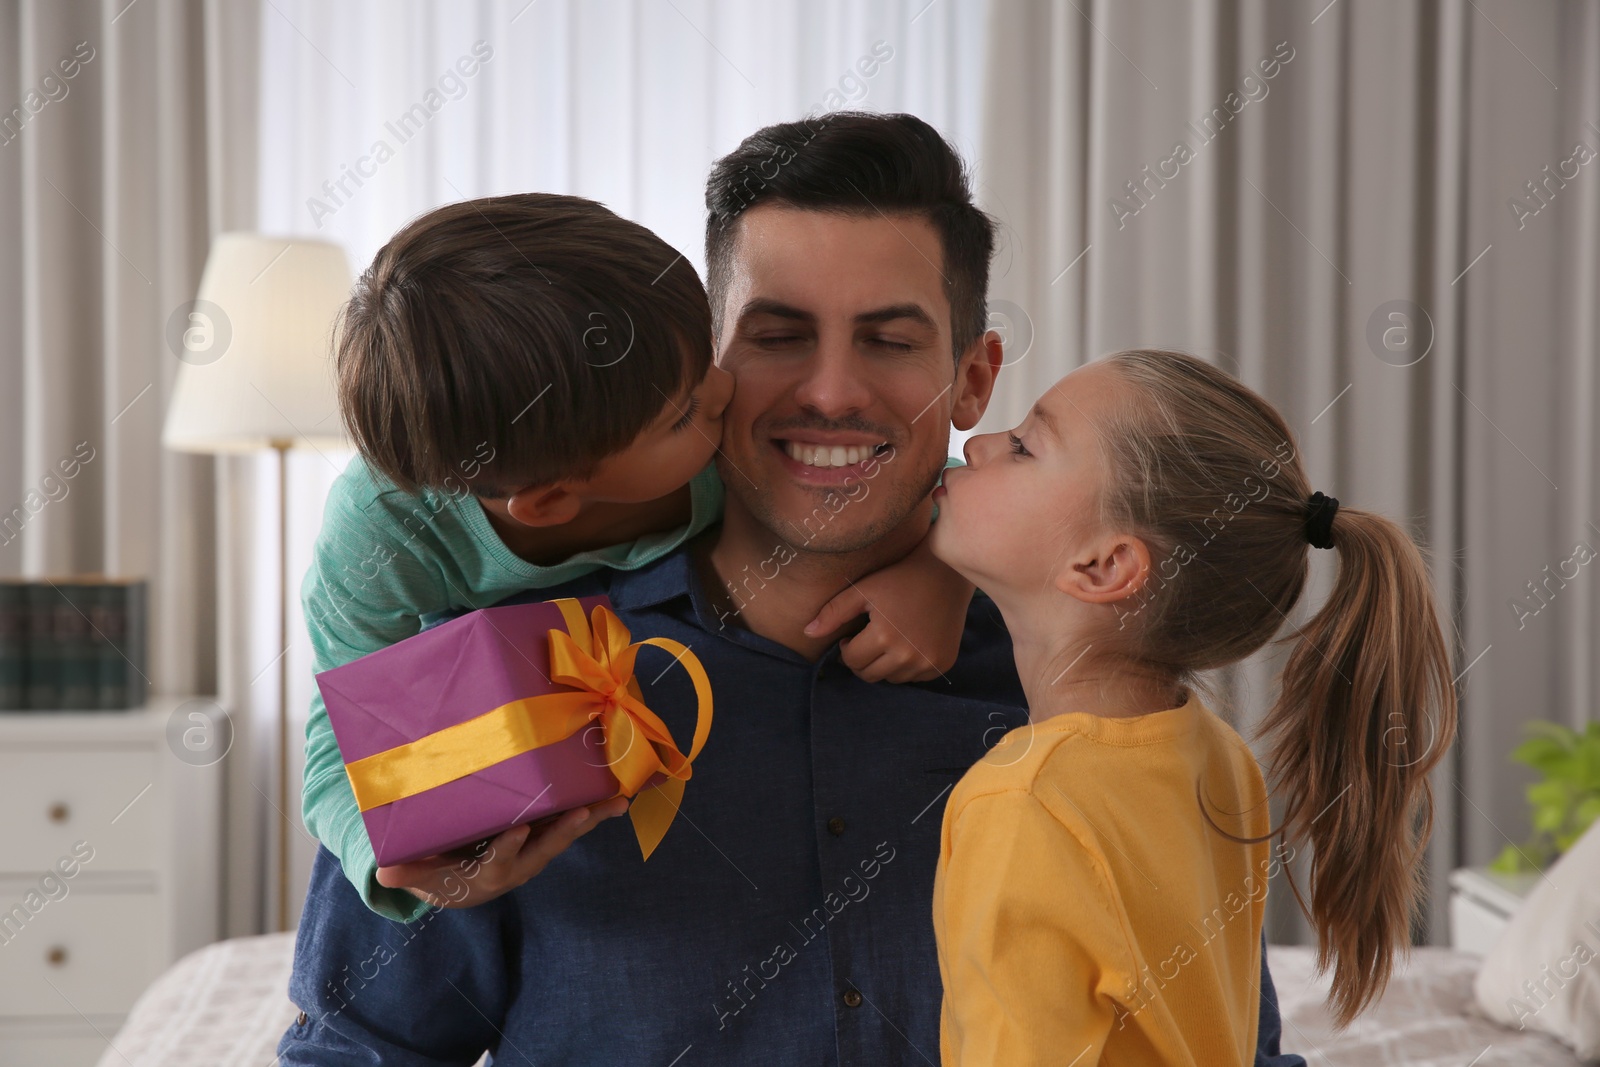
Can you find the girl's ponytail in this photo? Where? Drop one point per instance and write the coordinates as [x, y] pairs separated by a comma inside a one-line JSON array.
[[1367, 709]]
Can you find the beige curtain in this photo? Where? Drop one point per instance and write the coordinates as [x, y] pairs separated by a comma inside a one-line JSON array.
[[128, 135], [1376, 172]]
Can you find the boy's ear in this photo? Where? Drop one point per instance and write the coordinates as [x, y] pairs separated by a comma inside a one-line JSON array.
[[975, 375], [543, 505], [1112, 569]]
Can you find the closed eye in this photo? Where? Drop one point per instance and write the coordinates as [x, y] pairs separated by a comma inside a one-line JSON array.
[[1017, 447], [688, 414]]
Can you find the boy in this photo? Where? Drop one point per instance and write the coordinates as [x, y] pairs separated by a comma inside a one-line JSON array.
[[529, 382]]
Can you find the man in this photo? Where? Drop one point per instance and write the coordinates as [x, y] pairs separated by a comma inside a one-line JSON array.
[[786, 917]]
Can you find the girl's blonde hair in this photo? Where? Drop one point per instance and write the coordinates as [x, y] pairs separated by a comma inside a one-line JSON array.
[[1207, 473]]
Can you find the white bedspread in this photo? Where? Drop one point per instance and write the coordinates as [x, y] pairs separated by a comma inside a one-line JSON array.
[[227, 1005], [223, 1006], [1426, 1018]]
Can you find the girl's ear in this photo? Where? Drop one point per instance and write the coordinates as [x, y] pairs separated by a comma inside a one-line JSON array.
[[1113, 568]]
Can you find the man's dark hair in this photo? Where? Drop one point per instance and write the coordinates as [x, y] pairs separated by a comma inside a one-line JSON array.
[[857, 163], [543, 332]]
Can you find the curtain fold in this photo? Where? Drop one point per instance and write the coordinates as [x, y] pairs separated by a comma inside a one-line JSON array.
[[1371, 175], [623, 101]]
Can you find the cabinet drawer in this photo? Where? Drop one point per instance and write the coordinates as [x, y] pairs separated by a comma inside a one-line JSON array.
[[54, 797], [77, 1047], [97, 950]]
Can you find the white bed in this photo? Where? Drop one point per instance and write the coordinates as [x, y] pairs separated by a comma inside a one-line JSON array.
[[226, 1006], [1426, 1018]]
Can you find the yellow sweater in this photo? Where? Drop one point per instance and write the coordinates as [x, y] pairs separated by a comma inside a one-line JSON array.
[[1086, 913]]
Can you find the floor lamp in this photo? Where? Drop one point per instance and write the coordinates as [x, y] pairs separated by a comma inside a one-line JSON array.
[[254, 373]]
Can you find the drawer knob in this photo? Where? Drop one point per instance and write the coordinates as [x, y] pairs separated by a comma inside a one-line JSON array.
[[56, 957], [59, 812]]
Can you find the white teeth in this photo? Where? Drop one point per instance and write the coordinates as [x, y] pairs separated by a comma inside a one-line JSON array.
[[829, 455]]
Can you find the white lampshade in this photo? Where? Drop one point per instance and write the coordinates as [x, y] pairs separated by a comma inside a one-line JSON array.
[[255, 347]]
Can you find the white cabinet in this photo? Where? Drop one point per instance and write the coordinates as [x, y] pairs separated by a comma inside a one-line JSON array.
[[109, 863], [1481, 904]]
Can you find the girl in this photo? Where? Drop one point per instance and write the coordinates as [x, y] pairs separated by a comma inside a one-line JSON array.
[[1103, 870]]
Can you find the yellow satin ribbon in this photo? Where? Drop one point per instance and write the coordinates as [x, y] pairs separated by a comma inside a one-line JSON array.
[[594, 657]]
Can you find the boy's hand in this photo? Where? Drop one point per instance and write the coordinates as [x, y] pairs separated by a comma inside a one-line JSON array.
[[467, 877], [917, 613]]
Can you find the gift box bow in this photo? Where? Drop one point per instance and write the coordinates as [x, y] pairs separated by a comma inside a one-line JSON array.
[[595, 657]]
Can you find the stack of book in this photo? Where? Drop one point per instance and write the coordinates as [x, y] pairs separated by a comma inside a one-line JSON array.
[[72, 644]]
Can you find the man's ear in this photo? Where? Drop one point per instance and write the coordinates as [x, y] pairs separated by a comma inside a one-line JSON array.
[[543, 505], [1114, 568], [975, 374]]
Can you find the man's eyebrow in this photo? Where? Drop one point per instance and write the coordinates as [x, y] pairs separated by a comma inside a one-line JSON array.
[[914, 312], [764, 306]]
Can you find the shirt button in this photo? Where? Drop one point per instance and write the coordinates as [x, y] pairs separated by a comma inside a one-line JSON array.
[[836, 826], [852, 999]]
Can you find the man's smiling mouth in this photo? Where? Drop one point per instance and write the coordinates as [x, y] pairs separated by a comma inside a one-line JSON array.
[[825, 455]]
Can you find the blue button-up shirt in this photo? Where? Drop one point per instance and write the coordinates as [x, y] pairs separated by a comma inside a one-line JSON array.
[[786, 917]]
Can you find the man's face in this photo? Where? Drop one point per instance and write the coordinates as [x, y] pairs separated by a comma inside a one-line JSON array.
[[837, 330]]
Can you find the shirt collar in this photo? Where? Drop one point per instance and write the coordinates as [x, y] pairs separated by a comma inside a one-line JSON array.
[[672, 577], [655, 583]]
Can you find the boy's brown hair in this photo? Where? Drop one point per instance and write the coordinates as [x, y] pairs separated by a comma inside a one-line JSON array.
[[520, 338]]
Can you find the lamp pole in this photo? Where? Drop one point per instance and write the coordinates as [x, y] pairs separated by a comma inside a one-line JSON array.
[[281, 446]]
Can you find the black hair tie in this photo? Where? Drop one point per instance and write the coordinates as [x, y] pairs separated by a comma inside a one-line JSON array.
[[1319, 520]]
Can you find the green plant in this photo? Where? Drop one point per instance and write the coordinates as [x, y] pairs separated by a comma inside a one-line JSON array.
[[1565, 803]]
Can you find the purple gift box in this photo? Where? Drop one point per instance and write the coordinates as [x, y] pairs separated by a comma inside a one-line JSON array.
[[447, 675]]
